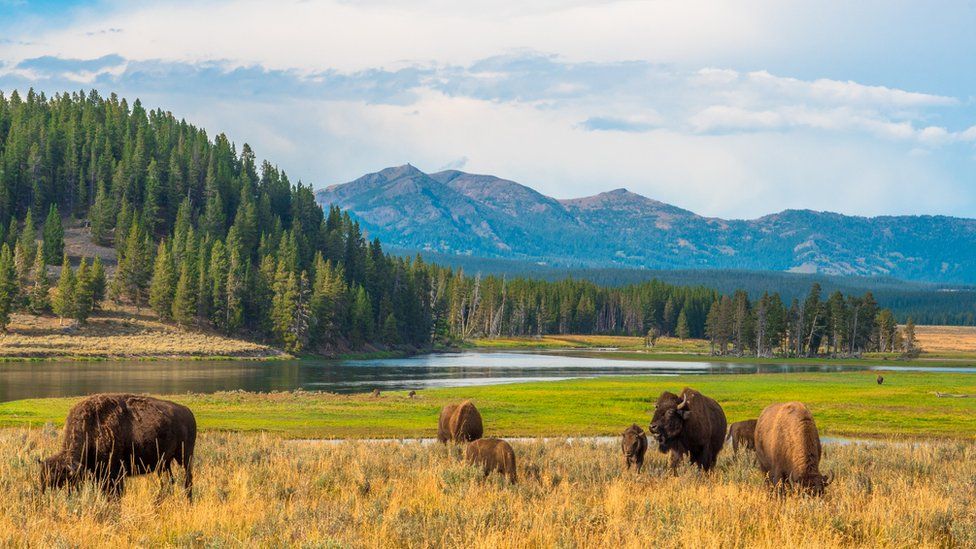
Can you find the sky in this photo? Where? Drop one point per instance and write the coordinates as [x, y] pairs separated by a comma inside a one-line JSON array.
[[732, 109]]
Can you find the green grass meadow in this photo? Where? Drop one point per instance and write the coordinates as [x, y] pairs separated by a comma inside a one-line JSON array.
[[844, 404]]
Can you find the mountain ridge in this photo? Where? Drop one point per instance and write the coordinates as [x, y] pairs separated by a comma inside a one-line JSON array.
[[455, 212]]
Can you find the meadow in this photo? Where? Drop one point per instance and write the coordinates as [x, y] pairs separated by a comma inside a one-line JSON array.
[[844, 403], [262, 490]]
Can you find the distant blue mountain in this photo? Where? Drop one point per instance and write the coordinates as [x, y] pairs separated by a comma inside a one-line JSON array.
[[454, 212]]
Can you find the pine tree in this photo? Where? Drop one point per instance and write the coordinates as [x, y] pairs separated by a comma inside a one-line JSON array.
[[219, 267], [152, 207], [28, 236], [8, 285], [64, 297], [53, 236], [84, 293], [133, 273], [99, 281], [682, 330], [908, 337], [101, 217], [236, 287], [362, 319], [284, 307], [162, 288], [185, 299], [39, 300], [391, 333]]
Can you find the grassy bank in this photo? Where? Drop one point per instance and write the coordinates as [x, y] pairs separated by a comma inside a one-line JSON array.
[[259, 490], [119, 332], [844, 404]]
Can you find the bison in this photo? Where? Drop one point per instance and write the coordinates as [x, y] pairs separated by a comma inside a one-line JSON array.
[[691, 424], [460, 423], [634, 446], [742, 433], [108, 437], [788, 447], [880, 379], [492, 454]]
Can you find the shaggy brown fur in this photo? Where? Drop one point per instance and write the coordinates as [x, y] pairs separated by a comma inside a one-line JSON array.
[[460, 423], [690, 424], [742, 433], [108, 437], [633, 444], [492, 454], [788, 447], [880, 380]]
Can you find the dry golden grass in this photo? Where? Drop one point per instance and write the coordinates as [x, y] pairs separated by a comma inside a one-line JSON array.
[[117, 332], [946, 339], [258, 490]]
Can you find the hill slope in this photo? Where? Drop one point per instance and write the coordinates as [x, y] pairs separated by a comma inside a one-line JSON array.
[[459, 213]]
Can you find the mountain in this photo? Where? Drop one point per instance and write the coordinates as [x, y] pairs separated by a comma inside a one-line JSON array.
[[453, 212]]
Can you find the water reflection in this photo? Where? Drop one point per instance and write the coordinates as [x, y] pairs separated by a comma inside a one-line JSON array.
[[50, 379]]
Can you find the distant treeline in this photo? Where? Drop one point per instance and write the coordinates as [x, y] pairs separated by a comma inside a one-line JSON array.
[[926, 303]]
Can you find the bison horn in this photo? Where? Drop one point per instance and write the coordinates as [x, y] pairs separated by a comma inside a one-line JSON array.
[[684, 402], [828, 479]]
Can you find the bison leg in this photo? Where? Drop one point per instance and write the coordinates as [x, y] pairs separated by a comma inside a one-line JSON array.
[[640, 463], [735, 445], [188, 481], [676, 457]]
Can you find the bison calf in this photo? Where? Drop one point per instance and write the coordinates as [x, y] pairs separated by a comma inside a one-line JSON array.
[[111, 436], [634, 445], [460, 423], [691, 424], [742, 433], [788, 447], [492, 454]]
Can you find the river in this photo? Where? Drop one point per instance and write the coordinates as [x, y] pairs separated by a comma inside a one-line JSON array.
[[19, 380]]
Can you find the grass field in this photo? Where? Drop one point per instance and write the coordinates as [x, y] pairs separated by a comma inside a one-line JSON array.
[[844, 404], [118, 332], [947, 340], [260, 490]]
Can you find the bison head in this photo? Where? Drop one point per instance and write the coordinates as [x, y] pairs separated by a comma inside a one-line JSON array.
[[58, 471], [669, 419], [632, 440]]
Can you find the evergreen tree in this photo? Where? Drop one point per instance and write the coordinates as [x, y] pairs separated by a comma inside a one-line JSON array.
[[133, 274], [84, 293], [219, 267], [391, 333], [185, 299], [8, 285], [101, 217], [236, 287], [39, 300], [162, 288], [908, 337], [99, 281], [682, 330], [53, 236], [284, 308], [64, 296], [28, 236]]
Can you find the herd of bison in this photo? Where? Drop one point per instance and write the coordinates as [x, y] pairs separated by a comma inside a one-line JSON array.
[[109, 437]]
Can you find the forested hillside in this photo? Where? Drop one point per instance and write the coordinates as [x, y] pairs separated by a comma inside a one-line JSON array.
[[206, 236]]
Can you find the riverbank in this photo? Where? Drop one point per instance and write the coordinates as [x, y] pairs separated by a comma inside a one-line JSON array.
[[845, 404], [943, 346], [121, 333]]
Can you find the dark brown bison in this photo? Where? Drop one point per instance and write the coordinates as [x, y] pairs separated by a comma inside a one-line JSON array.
[[690, 424], [375, 393], [634, 445], [492, 454], [788, 447], [412, 394], [742, 433], [880, 380], [111, 436], [460, 423]]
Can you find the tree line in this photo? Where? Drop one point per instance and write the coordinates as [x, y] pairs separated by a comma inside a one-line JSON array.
[[205, 236]]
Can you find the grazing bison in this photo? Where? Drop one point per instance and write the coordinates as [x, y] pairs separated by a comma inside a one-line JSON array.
[[460, 423], [880, 379], [788, 447], [742, 433], [492, 454], [634, 445], [111, 436], [376, 393], [691, 424], [412, 394]]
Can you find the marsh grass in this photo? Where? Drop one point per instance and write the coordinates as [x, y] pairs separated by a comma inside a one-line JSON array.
[[260, 490]]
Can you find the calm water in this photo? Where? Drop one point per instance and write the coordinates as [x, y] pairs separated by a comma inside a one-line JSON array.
[[47, 379]]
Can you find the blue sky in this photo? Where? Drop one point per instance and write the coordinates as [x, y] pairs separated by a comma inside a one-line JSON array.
[[732, 109]]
